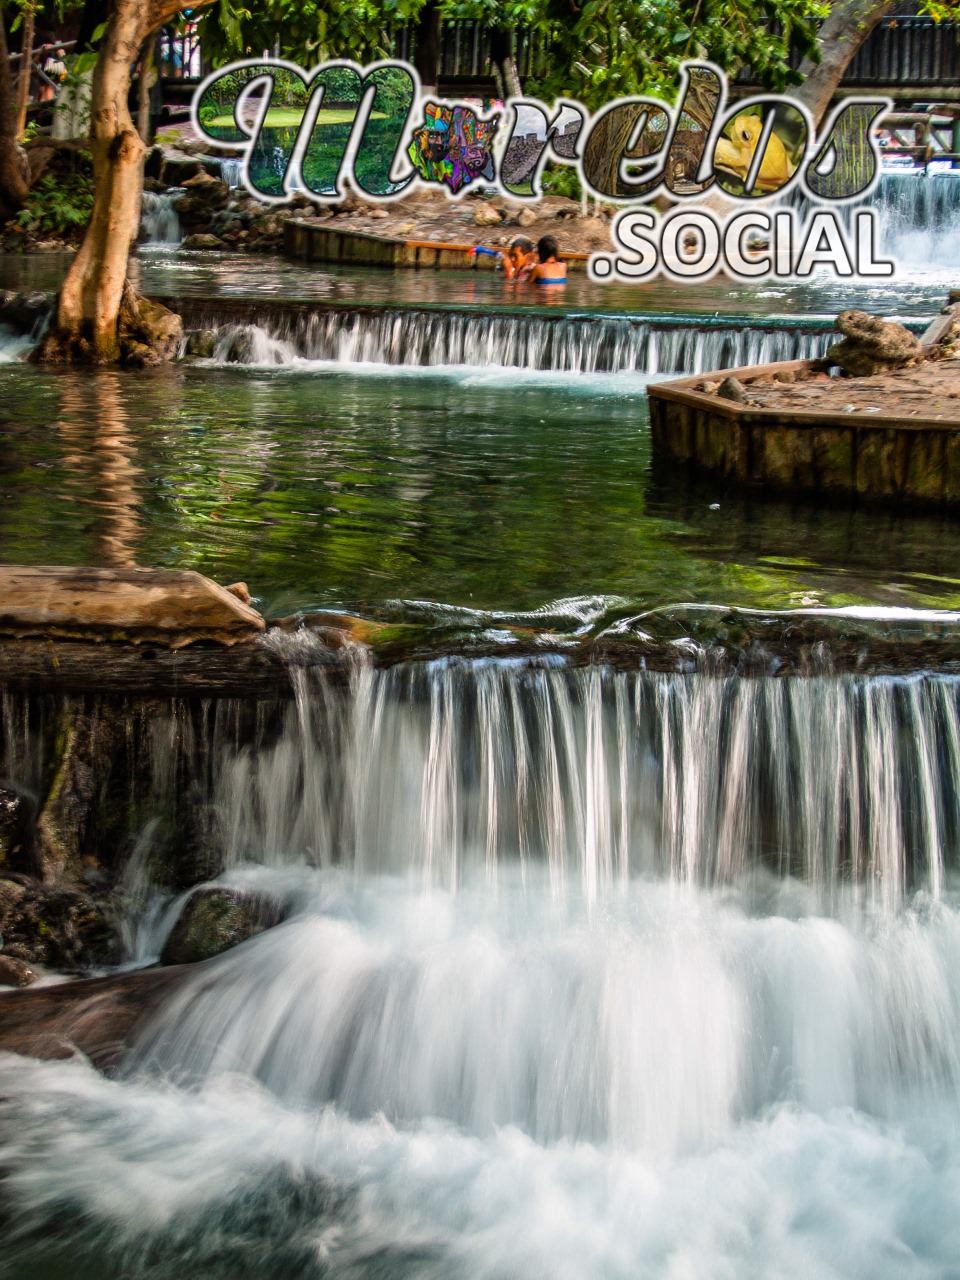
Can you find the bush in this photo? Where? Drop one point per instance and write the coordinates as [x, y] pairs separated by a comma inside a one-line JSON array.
[[57, 205]]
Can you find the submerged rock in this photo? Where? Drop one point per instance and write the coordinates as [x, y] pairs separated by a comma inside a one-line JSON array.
[[201, 343], [205, 241], [216, 918]]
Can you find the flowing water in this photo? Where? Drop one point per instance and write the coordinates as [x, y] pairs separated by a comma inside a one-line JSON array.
[[584, 972], [159, 221]]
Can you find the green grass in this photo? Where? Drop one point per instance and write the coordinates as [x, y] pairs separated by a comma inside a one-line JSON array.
[[286, 117]]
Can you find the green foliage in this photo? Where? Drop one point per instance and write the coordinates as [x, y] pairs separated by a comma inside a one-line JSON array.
[[599, 49], [561, 180], [57, 204]]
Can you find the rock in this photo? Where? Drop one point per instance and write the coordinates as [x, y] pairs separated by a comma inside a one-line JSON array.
[[872, 345], [201, 343], [100, 1017], [731, 389], [526, 218], [953, 296], [216, 918], [137, 355], [240, 590], [167, 606], [487, 216], [57, 926], [153, 166], [239, 349], [207, 184], [177, 170], [149, 333], [378, 213], [23, 311], [15, 973], [350, 203], [203, 240], [154, 185]]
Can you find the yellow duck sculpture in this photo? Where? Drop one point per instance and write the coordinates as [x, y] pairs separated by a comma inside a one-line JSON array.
[[736, 155]]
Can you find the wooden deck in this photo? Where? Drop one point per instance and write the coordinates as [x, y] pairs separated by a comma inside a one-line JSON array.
[[313, 241], [888, 439]]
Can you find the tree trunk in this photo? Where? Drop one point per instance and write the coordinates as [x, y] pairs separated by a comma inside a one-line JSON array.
[[426, 47], [13, 179], [99, 319], [143, 90], [840, 36], [502, 55], [26, 67]]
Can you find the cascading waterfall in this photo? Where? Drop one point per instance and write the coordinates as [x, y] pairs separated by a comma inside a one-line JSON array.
[[581, 969], [569, 344], [230, 172], [159, 221], [466, 768], [918, 216], [455, 769], [13, 345]]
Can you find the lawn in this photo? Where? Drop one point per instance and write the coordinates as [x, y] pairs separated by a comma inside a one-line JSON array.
[[287, 117]]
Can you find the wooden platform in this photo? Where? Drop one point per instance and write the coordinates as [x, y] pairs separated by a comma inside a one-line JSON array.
[[313, 241], [891, 439]]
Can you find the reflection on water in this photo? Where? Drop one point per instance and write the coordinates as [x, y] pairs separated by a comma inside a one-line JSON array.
[[99, 460], [169, 273], [485, 488]]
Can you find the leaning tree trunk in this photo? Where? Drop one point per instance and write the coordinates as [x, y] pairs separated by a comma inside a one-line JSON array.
[[840, 36], [14, 188], [26, 68], [99, 319], [505, 63]]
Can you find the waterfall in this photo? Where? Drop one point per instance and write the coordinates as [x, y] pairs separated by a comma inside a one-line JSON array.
[[679, 1005], [159, 223], [918, 215], [460, 768], [230, 171], [430, 338], [13, 345], [454, 769]]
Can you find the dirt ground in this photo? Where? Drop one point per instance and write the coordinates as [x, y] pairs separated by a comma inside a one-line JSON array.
[[930, 390]]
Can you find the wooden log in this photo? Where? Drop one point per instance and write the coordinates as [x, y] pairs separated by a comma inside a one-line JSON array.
[[156, 606], [98, 1017]]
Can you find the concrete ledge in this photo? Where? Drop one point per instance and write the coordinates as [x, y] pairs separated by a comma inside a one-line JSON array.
[[314, 241], [886, 457], [158, 606]]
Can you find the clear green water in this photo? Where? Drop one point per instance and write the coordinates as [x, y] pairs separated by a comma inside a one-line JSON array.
[[489, 490]]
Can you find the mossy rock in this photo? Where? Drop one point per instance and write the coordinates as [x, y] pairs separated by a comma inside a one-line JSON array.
[[62, 928], [214, 919]]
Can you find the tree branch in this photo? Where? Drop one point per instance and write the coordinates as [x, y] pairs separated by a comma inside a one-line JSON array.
[[840, 36]]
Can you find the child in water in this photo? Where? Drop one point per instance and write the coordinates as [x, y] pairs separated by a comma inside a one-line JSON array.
[[517, 260], [549, 269], [518, 257]]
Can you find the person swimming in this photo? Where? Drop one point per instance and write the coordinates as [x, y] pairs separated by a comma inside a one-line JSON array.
[[517, 259], [549, 269]]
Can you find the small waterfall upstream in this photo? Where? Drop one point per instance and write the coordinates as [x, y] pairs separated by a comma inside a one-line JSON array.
[[433, 338], [230, 173], [159, 222]]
